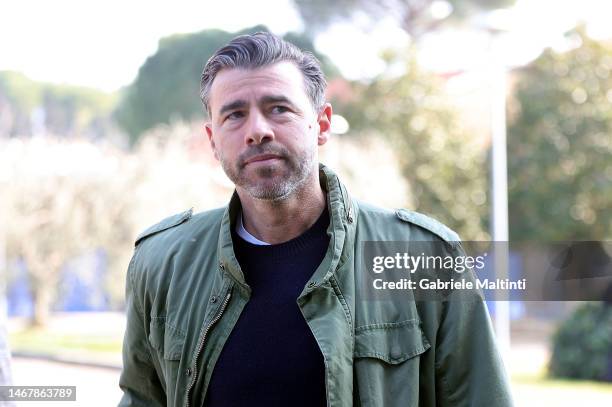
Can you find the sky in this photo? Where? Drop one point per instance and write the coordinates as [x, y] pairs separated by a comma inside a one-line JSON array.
[[522, 33], [102, 44]]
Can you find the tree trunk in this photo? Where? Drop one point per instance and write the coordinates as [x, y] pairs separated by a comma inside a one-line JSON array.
[[42, 305]]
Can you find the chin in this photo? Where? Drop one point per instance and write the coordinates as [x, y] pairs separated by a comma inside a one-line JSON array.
[[268, 172], [277, 190]]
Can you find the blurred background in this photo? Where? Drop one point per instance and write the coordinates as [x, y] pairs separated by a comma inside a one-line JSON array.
[[101, 135]]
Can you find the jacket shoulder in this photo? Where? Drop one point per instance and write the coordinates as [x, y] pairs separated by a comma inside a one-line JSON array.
[[426, 227], [173, 239], [430, 224], [203, 220], [165, 224]]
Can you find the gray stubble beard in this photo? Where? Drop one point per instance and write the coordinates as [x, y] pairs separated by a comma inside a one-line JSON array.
[[299, 173]]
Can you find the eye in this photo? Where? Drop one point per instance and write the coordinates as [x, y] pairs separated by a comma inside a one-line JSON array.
[[279, 109], [234, 115]]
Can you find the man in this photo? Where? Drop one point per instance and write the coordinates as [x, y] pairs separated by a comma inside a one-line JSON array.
[[259, 303]]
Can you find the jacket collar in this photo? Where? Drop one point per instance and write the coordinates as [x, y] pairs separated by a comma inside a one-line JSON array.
[[343, 218]]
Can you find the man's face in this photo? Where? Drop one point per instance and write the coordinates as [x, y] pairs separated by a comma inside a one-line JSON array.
[[264, 130]]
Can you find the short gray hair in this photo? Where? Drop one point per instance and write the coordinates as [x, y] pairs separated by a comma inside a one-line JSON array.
[[259, 50]]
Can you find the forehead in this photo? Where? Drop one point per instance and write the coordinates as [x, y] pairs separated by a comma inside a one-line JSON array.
[[282, 78]]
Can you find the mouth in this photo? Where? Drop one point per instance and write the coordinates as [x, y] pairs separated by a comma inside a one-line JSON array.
[[262, 159]]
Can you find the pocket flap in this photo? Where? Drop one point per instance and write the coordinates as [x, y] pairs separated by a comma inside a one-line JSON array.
[[165, 339], [392, 342]]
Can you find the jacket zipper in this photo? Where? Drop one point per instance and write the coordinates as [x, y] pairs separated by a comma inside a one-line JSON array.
[[201, 345]]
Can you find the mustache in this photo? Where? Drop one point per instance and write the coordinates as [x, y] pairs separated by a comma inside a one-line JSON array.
[[254, 151]]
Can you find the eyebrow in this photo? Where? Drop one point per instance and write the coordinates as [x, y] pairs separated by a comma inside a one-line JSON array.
[[269, 99], [237, 104], [266, 100]]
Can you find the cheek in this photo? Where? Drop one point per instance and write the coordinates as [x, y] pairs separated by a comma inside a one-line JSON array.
[[223, 148], [302, 127], [226, 139]]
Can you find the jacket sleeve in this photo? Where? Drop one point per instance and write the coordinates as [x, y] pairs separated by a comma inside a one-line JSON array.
[[139, 380], [469, 368]]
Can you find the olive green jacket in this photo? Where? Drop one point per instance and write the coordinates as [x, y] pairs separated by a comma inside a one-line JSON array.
[[185, 292]]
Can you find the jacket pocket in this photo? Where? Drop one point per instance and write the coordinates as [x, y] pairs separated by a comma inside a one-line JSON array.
[[167, 343], [386, 363], [165, 339]]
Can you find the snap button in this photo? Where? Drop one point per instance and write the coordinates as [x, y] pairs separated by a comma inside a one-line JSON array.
[[311, 284], [396, 352], [221, 266], [213, 299], [188, 371]]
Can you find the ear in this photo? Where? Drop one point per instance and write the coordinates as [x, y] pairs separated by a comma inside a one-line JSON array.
[[324, 123], [209, 133]]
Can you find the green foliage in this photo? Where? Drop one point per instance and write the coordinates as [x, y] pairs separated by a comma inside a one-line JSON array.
[[582, 344], [20, 91], [444, 163], [168, 83], [413, 16], [560, 145], [67, 109]]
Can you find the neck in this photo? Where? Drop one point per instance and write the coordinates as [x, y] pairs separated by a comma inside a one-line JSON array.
[[276, 222]]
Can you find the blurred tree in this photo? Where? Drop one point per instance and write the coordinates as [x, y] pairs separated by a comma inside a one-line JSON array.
[[168, 83], [443, 163], [560, 146], [415, 17], [59, 200], [45, 230], [582, 344], [63, 198], [29, 107]]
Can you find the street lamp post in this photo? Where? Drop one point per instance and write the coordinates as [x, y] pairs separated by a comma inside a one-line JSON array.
[[499, 212], [493, 25]]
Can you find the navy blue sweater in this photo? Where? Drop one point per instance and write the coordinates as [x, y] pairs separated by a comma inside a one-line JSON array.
[[271, 357]]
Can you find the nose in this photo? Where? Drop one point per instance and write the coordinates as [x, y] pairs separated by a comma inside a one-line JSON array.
[[258, 129]]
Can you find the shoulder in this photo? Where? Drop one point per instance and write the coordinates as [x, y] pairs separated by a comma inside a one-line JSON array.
[[180, 223], [404, 224], [171, 240], [428, 223], [165, 224]]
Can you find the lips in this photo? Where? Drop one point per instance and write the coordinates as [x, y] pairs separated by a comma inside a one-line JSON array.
[[261, 157]]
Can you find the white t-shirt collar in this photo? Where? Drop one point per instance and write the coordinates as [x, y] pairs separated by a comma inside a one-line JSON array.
[[243, 233]]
